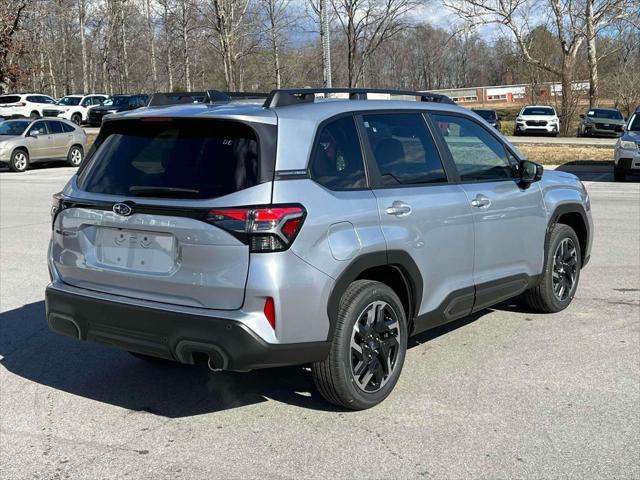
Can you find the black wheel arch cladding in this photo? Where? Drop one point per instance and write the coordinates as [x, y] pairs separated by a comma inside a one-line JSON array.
[[570, 212], [397, 259]]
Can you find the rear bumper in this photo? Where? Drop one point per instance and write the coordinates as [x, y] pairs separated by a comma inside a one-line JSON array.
[[185, 337]]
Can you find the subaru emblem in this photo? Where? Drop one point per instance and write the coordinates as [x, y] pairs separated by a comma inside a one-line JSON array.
[[122, 209]]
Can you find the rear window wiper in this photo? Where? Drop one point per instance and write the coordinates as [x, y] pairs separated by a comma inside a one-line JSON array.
[[161, 191]]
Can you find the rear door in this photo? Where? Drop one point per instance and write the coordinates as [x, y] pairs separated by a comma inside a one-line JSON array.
[[510, 221], [137, 225], [421, 213], [59, 139]]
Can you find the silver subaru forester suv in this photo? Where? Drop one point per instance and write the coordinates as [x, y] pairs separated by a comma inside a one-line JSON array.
[[323, 227]]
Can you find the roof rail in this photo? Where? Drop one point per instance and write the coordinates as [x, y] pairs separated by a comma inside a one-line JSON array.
[[177, 98], [246, 95], [284, 97], [209, 96]]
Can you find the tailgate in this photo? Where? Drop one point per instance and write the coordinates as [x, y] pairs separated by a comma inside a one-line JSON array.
[[171, 259]]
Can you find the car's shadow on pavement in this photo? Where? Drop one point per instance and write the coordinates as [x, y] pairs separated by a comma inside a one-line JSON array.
[[30, 350]]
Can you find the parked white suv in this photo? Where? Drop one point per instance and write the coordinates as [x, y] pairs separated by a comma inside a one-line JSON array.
[[75, 107], [24, 105], [537, 119]]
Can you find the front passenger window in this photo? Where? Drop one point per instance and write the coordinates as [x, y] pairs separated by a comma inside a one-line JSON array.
[[38, 128], [478, 155]]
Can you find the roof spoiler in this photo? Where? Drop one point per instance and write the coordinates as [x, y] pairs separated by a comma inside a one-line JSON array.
[[284, 97]]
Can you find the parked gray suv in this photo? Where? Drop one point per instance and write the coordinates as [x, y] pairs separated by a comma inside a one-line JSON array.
[[307, 230]]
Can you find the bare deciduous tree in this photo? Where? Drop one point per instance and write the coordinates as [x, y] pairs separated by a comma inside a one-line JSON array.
[[152, 42], [567, 21], [276, 22], [231, 36], [366, 25], [11, 14], [600, 14]]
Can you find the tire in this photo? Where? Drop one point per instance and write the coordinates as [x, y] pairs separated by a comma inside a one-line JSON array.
[[545, 296], [75, 156], [335, 377], [19, 161], [34, 115], [76, 118], [618, 174]]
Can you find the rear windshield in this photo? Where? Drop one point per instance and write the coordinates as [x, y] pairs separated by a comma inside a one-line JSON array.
[[538, 111], [9, 99], [178, 159]]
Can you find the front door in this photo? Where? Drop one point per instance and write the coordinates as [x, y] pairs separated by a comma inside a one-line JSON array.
[[421, 213], [510, 221], [39, 141]]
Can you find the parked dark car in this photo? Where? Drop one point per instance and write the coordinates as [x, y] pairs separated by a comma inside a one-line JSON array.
[[115, 104], [491, 117], [601, 122]]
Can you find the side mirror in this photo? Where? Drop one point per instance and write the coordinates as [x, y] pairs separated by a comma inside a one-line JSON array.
[[530, 172], [582, 115], [34, 133]]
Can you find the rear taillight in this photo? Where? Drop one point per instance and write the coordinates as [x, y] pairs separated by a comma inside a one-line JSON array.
[[22, 104], [265, 229], [56, 206]]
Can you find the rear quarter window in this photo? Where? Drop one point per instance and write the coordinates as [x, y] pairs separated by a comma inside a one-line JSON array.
[[66, 127], [337, 161], [201, 158]]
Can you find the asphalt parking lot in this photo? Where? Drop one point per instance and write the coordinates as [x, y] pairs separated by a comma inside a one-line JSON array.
[[503, 394]]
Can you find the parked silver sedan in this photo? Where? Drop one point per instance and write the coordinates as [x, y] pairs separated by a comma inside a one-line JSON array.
[[25, 141]]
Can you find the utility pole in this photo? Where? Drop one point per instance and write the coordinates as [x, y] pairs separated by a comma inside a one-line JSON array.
[[326, 43]]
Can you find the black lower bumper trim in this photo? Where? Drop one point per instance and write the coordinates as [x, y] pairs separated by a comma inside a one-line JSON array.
[[626, 165], [187, 338]]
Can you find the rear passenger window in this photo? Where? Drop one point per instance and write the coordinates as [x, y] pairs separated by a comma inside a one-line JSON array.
[[54, 127], [478, 155], [403, 149], [337, 158]]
